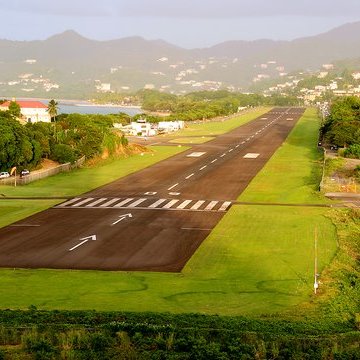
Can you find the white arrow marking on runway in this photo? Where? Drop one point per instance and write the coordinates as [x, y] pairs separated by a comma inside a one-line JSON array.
[[122, 217], [84, 240]]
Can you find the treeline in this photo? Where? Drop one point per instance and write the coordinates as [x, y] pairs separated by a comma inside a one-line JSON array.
[[198, 105], [65, 140], [342, 125]]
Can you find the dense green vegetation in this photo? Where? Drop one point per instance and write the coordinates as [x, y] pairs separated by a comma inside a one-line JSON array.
[[342, 126], [69, 138], [197, 105]]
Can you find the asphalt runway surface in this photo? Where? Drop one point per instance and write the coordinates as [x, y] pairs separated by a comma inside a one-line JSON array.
[[152, 220]]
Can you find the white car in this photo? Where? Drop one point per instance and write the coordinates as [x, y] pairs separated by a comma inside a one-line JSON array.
[[4, 174]]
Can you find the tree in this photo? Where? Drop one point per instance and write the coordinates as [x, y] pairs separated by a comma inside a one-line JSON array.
[[52, 109], [14, 109]]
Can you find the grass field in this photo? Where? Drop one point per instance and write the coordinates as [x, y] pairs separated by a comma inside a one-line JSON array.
[[258, 260], [192, 140], [210, 128]]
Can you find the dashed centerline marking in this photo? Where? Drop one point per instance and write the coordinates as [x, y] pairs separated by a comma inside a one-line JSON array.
[[214, 161], [171, 187], [202, 168], [189, 176]]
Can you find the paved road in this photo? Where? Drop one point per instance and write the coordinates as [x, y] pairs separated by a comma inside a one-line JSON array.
[[154, 219]]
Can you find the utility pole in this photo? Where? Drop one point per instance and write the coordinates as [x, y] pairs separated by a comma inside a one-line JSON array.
[[316, 284]]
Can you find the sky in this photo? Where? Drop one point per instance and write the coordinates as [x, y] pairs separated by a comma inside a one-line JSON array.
[[186, 23]]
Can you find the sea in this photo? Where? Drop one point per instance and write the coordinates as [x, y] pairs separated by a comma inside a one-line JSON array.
[[66, 108], [86, 107]]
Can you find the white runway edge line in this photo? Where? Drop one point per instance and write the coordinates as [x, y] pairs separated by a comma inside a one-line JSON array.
[[171, 187]]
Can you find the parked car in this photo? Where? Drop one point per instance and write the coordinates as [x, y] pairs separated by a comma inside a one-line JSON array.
[[24, 172], [4, 174]]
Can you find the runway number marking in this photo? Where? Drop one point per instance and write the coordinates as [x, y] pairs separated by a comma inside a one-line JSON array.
[[121, 218], [84, 241]]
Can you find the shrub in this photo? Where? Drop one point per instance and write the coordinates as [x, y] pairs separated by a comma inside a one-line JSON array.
[[63, 153], [353, 151]]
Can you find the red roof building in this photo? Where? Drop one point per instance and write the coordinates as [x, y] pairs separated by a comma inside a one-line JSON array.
[[31, 111]]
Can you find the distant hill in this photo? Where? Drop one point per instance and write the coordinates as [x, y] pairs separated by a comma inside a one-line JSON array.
[[69, 65]]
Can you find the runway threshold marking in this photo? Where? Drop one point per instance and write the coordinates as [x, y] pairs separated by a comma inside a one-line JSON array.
[[108, 203], [184, 204], [157, 203], [70, 201], [170, 204], [82, 202], [154, 204], [96, 202], [122, 203], [225, 205]]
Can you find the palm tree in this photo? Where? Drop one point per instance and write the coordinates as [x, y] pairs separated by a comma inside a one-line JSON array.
[[52, 109]]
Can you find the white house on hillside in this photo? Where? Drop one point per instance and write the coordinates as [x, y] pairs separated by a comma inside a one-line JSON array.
[[31, 111]]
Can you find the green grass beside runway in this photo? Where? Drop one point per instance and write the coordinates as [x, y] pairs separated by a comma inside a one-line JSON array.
[[192, 140], [210, 128], [259, 259], [88, 178], [293, 174]]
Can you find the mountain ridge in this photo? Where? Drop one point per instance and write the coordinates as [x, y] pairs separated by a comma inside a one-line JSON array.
[[72, 61]]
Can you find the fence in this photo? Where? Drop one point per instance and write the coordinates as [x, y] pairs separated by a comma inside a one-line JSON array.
[[43, 173]]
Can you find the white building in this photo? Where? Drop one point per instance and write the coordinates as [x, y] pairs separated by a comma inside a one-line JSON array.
[[31, 111], [170, 126]]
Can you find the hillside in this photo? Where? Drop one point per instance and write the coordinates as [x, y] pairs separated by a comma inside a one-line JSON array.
[[69, 65]]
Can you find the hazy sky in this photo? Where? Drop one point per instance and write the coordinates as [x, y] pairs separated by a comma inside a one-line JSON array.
[[187, 23]]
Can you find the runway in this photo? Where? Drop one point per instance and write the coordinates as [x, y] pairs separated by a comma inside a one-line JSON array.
[[152, 220]]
